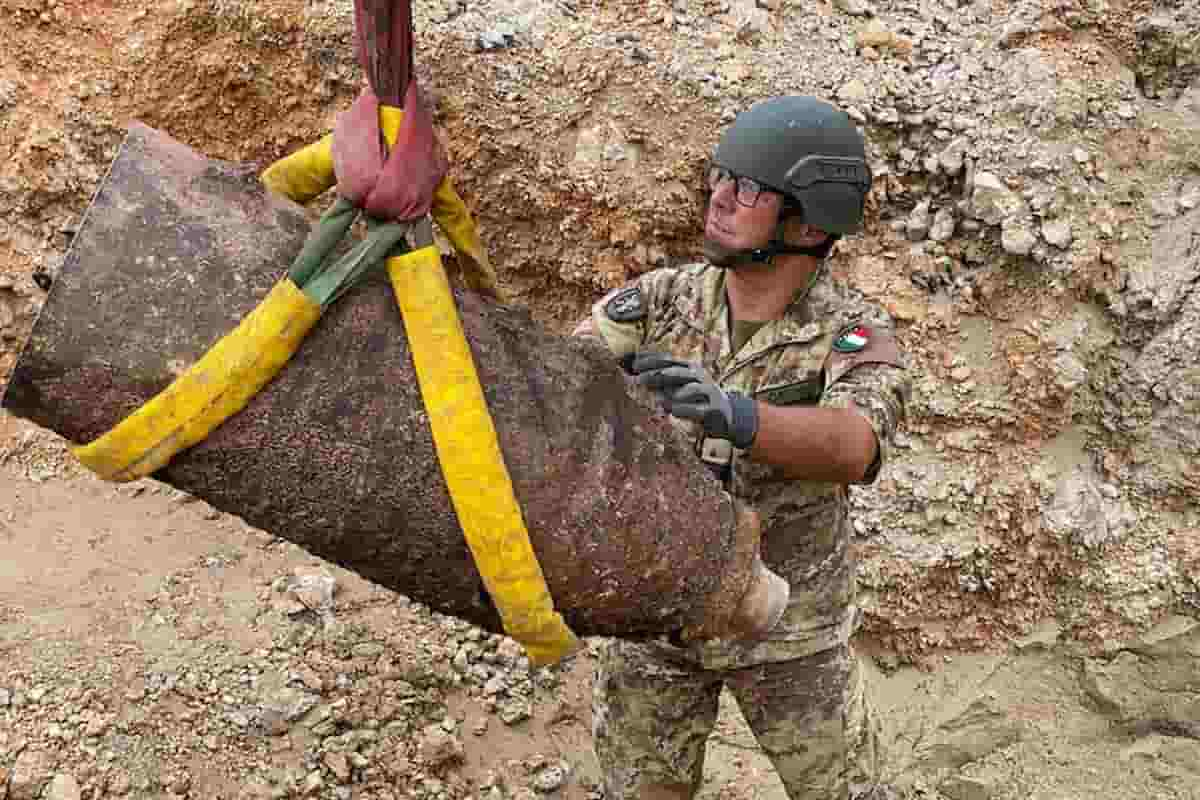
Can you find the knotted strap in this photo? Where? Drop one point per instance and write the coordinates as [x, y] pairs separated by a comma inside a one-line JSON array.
[[395, 185]]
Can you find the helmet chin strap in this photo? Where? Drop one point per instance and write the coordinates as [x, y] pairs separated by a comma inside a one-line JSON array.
[[721, 256]]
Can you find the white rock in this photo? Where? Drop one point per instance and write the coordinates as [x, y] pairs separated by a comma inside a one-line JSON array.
[[1079, 511], [951, 159], [550, 778], [313, 591], [944, 223], [1069, 371], [854, 91], [855, 8], [62, 787], [1058, 233], [992, 201], [917, 226], [1016, 238]]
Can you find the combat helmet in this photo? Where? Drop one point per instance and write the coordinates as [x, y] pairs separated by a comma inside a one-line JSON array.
[[807, 150]]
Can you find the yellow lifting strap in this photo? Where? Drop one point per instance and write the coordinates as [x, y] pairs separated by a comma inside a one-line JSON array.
[[241, 363], [208, 392], [472, 463]]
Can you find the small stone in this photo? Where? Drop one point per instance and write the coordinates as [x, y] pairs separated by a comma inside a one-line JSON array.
[[5, 698], [1190, 198], [62, 787], [510, 651], [515, 710], [283, 707], [1058, 233], [962, 788], [951, 159], [550, 778], [480, 727], [944, 223], [313, 591], [854, 91], [437, 747], [338, 765], [95, 726], [313, 783], [311, 680], [368, 650], [877, 35], [917, 225], [497, 38], [855, 8], [1164, 206], [119, 784], [462, 659], [961, 374], [1017, 239], [992, 201]]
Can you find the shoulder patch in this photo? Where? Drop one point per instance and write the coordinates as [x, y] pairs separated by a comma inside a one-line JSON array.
[[626, 305]]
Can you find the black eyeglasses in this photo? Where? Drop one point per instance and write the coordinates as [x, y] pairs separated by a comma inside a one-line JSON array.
[[746, 190]]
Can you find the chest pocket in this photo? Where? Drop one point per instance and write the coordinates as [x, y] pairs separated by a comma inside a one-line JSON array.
[[800, 393]]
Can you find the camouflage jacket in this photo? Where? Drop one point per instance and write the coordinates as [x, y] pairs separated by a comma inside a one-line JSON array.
[[789, 361]]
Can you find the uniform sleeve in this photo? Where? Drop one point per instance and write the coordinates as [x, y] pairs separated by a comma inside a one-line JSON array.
[[875, 382], [622, 318]]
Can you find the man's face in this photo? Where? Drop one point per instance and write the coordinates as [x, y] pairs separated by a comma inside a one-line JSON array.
[[733, 225]]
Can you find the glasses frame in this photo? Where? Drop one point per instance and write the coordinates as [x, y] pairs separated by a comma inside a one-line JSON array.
[[743, 185]]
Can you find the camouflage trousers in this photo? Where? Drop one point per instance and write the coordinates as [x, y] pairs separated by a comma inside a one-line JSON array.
[[652, 714]]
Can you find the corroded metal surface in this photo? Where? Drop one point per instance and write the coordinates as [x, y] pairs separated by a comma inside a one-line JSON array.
[[336, 454]]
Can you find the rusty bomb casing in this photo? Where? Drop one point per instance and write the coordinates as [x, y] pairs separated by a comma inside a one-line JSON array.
[[335, 454]]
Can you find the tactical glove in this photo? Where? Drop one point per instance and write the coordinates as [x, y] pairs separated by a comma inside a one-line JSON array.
[[688, 392]]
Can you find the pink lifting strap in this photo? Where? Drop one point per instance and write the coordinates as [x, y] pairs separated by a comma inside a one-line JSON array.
[[396, 184]]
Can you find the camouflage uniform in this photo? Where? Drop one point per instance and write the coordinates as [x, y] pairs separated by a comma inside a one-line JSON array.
[[656, 702]]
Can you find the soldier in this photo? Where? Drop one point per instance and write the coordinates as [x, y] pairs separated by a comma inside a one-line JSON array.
[[793, 388]]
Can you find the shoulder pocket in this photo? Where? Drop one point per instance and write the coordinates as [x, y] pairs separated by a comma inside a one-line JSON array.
[[860, 344], [801, 393]]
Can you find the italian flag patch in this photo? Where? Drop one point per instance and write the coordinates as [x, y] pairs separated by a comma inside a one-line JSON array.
[[852, 339]]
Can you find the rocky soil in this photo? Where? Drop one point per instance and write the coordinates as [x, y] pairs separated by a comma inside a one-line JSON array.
[[1031, 560]]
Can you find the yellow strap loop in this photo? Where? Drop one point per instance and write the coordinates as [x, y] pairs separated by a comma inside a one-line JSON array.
[[210, 391], [308, 172], [471, 460]]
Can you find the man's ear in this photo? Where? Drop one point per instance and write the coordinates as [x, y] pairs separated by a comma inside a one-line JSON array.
[[801, 234]]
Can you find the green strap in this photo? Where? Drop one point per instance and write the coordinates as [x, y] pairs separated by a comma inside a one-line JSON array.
[[324, 282]]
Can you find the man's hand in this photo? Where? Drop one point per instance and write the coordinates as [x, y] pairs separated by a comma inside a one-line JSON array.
[[688, 392]]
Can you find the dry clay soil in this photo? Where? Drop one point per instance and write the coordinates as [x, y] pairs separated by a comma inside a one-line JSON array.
[[112, 598], [116, 603]]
